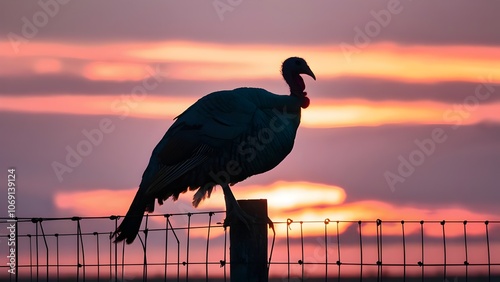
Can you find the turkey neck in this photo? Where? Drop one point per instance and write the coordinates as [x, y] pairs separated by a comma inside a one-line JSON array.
[[295, 82]]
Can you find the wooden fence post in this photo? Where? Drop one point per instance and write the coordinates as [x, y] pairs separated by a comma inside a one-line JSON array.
[[248, 248]]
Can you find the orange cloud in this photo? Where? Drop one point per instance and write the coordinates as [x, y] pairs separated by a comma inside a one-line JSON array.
[[331, 113], [114, 71], [99, 202], [210, 61], [387, 60], [123, 105], [47, 65]]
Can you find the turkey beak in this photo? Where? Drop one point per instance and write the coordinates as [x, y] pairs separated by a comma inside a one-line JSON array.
[[309, 72]]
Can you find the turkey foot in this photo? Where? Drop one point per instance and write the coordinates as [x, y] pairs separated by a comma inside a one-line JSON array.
[[233, 211]]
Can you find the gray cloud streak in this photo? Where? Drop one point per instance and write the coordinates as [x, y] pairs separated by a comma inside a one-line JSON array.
[[286, 22], [371, 89]]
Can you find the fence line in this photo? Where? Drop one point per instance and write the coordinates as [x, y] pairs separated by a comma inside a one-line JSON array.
[[187, 246], [486, 266]]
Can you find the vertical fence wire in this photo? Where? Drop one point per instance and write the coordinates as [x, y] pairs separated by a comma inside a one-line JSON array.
[[488, 249], [360, 252], [327, 221], [57, 256], [210, 214], [444, 250], [466, 262], [46, 251], [301, 262], [144, 247], [379, 249], [115, 219], [404, 248], [36, 246], [110, 257], [122, 264], [422, 249], [225, 255], [167, 216], [83, 264], [187, 245], [96, 234], [288, 226], [31, 258], [338, 251]]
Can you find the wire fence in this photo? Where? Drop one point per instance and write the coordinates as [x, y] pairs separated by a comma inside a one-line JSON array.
[[195, 247]]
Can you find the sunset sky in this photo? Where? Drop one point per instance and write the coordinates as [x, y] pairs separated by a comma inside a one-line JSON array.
[[404, 118]]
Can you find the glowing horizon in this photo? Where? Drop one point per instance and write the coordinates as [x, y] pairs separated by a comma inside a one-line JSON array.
[[302, 203], [322, 113]]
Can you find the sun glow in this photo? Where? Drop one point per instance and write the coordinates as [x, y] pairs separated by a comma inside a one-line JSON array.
[[296, 201], [288, 195]]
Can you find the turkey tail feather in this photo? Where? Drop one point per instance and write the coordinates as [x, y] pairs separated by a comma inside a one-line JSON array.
[[129, 228]]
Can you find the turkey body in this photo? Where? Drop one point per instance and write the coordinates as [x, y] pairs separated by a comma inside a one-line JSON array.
[[222, 139], [227, 136]]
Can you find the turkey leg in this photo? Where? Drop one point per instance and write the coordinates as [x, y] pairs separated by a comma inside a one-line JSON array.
[[233, 210]]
